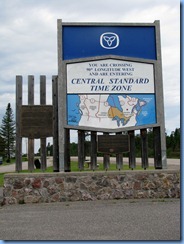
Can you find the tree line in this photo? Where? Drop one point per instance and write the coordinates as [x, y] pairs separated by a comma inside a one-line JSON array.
[[172, 145], [8, 136]]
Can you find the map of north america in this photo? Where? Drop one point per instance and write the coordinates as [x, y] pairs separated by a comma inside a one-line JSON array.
[[111, 111]]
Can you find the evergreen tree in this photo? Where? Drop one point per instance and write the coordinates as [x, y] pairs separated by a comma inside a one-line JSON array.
[[177, 139], [7, 133], [2, 147]]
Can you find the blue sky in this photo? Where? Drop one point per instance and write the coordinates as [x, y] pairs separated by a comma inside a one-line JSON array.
[[28, 46]]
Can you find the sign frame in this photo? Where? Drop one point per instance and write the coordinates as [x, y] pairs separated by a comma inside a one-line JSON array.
[[62, 84]]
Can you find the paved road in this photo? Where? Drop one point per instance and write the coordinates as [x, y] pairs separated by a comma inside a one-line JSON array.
[[172, 163], [98, 220]]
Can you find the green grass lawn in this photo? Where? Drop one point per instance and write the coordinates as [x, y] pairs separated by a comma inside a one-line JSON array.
[[74, 168], [1, 179]]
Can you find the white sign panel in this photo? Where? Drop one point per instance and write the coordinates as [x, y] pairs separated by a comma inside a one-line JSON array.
[[110, 76]]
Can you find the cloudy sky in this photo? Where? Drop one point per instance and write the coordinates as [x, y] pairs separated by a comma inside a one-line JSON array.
[[28, 41]]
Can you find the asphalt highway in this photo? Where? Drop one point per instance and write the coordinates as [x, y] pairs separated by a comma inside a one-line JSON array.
[[92, 220]]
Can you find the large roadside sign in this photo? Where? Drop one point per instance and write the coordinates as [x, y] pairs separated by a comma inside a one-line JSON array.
[[110, 77]]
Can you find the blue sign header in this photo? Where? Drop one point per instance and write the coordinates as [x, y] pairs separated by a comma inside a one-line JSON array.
[[91, 41]]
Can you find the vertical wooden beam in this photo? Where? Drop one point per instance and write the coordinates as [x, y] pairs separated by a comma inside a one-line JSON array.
[[43, 140], [159, 94], [62, 120], [18, 123], [119, 161], [42, 89], [106, 158], [157, 148], [55, 124], [144, 148], [30, 140], [30, 90], [31, 154], [132, 153], [43, 154], [81, 157], [67, 151], [106, 161], [119, 158], [93, 150]]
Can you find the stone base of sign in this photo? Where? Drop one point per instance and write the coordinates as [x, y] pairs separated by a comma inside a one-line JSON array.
[[85, 186]]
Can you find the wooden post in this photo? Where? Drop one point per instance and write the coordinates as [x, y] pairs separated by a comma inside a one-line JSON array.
[[119, 158], [119, 161], [106, 158], [30, 140], [55, 124], [157, 148], [43, 140], [93, 150], [132, 157], [67, 151], [81, 157], [144, 148], [18, 123]]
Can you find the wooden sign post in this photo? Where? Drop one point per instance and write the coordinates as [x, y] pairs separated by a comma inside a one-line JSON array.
[[36, 122]]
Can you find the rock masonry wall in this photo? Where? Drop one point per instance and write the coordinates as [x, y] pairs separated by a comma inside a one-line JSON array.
[[84, 186]]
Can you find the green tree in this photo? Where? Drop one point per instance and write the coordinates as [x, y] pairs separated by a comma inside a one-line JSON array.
[[2, 147], [150, 143], [7, 133], [177, 139], [73, 149]]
